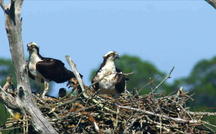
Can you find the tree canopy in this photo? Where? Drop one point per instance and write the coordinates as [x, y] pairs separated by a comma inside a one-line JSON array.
[[202, 83]]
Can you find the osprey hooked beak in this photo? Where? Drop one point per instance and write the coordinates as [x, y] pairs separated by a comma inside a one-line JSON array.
[[117, 56], [113, 54], [31, 46]]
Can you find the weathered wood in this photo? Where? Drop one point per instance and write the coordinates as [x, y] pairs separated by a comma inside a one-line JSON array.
[[24, 97], [212, 3], [76, 73], [160, 115], [7, 99]]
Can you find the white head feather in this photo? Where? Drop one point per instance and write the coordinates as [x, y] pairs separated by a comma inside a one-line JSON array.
[[110, 52], [32, 44]]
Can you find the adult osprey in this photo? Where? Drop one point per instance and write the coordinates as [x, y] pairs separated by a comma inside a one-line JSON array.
[[47, 69], [108, 79]]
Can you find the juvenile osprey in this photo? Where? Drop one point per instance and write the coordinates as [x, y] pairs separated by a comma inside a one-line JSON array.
[[62, 92], [47, 69], [108, 79]]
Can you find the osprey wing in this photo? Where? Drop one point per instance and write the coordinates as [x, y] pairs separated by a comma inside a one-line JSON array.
[[49, 60], [53, 70], [120, 84], [121, 81], [94, 81], [120, 72]]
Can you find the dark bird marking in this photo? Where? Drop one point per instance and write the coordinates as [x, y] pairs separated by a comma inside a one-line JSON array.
[[46, 69], [109, 79]]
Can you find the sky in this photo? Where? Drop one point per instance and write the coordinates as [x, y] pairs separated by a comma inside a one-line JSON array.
[[165, 32]]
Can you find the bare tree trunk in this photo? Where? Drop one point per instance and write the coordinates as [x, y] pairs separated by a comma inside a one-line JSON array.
[[24, 98], [212, 2]]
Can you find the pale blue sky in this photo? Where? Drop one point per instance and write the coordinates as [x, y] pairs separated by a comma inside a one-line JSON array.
[[166, 32]]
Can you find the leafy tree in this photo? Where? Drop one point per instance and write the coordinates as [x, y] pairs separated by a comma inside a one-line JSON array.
[[6, 69], [145, 75], [202, 83]]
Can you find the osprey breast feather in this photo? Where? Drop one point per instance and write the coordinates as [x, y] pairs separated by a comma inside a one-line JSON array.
[[109, 79]]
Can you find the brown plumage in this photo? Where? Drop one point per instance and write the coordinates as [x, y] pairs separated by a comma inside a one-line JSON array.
[[47, 69]]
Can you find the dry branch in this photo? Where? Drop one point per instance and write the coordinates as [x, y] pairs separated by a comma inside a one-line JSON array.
[[24, 98], [212, 3], [166, 78], [131, 114], [160, 115], [76, 73], [203, 113]]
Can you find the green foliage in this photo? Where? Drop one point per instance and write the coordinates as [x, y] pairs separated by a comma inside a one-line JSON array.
[[202, 83], [6, 69], [3, 113]]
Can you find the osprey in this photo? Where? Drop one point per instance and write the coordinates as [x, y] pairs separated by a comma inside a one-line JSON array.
[[47, 69], [62, 92], [109, 79]]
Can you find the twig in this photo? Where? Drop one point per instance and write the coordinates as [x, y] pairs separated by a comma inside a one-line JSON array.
[[2, 5], [7, 129], [160, 115], [209, 124], [203, 113], [212, 3], [8, 100], [116, 120], [167, 77], [127, 74], [77, 75], [159, 125]]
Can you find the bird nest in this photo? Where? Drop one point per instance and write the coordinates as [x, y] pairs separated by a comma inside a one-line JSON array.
[[90, 112], [151, 113]]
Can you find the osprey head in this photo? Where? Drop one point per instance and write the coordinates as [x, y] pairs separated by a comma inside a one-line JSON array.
[[32, 46], [111, 55]]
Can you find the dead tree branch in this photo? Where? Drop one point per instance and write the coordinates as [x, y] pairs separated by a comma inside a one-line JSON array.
[[166, 78], [24, 98], [8, 99], [76, 73], [212, 3]]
